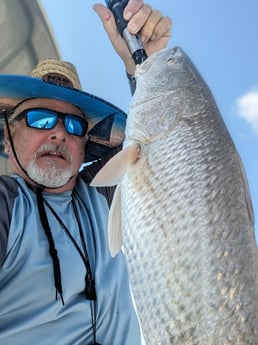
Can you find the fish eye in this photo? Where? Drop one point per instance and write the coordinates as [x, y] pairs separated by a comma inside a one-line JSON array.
[[171, 61]]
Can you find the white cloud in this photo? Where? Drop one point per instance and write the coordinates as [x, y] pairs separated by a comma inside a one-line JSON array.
[[247, 107]]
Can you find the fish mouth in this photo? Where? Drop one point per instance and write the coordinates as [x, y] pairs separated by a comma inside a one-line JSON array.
[[172, 54]]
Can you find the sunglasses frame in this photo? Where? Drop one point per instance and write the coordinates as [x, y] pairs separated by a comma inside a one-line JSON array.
[[59, 115]]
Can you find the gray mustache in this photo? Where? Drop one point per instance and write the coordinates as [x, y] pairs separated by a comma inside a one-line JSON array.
[[61, 149]]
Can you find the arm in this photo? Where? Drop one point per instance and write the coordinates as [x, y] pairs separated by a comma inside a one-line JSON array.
[[8, 193]]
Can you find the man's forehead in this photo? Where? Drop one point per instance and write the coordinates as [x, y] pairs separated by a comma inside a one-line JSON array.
[[48, 103]]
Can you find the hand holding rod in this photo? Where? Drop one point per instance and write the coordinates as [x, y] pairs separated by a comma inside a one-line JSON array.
[[133, 42]]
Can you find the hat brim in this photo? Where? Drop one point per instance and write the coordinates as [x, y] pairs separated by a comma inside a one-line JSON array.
[[106, 121]]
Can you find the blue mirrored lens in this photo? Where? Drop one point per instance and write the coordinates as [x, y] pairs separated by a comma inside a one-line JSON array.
[[47, 119], [75, 125], [41, 119]]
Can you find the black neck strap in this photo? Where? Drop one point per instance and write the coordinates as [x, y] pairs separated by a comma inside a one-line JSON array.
[[90, 291], [52, 249]]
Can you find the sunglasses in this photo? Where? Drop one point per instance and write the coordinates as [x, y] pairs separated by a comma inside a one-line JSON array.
[[47, 119]]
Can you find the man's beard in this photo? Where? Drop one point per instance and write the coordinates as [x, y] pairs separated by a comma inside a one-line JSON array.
[[52, 175]]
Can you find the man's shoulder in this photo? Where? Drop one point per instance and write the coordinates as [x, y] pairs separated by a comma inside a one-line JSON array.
[[8, 193], [8, 185]]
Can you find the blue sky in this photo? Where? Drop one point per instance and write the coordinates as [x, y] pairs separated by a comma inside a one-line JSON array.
[[220, 37]]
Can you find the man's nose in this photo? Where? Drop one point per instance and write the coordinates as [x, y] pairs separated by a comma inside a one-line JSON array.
[[58, 133]]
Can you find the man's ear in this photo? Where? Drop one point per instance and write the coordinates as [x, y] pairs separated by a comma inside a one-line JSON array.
[[7, 146]]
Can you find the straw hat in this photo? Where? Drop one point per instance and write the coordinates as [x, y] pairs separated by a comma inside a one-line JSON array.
[[59, 80]]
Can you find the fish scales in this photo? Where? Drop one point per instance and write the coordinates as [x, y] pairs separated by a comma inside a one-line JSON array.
[[186, 219], [186, 214]]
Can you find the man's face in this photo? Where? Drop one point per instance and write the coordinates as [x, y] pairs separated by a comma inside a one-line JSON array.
[[51, 157]]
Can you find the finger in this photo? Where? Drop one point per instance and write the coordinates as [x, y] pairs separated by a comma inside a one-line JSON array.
[[118, 43], [149, 28], [161, 29], [103, 12], [107, 19], [132, 7], [139, 19]]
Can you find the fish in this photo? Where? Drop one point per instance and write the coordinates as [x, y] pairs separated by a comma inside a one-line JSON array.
[[182, 211]]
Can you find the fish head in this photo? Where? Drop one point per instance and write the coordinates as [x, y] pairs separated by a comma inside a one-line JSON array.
[[168, 88], [158, 73]]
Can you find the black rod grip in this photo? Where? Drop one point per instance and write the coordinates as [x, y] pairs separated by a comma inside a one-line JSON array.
[[133, 42]]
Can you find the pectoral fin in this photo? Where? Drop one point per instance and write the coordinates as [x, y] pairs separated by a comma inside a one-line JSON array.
[[114, 170], [114, 224]]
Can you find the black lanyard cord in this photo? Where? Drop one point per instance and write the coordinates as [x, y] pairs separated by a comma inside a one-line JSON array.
[[90, 291], [52, 249]]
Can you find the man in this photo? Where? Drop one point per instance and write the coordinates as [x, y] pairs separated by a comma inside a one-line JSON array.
[[58, 282]]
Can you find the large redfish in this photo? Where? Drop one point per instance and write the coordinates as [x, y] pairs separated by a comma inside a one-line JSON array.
[[184, 209]]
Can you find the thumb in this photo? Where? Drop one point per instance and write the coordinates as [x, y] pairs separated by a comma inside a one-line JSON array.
[[108, 20], [116, 39]]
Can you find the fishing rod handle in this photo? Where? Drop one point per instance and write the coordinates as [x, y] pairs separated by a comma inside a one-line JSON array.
[[133, 42]]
